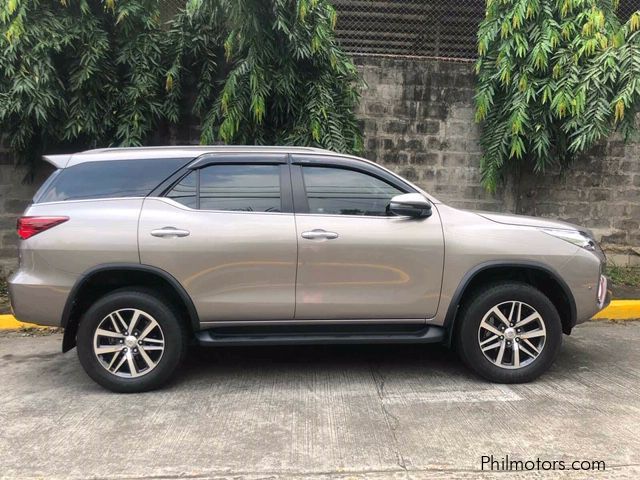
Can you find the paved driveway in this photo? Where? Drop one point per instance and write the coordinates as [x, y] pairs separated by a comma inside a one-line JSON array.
[[382, 412]]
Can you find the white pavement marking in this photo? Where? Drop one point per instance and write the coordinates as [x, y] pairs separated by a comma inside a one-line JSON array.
[[496, 394]]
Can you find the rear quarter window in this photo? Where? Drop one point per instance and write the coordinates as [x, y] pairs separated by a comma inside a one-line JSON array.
[[108, 179]]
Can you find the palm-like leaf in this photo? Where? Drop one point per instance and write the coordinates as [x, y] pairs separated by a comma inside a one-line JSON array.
[[554, 78]]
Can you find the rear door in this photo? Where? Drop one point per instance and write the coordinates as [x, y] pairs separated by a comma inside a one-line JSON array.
[[226, 231], [355, 260]]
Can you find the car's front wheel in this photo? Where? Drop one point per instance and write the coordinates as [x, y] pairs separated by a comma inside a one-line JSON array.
[[131, 341], [509, 332]]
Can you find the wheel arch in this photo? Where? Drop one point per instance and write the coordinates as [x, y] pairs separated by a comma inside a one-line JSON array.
[[536, 274], [102, 279]]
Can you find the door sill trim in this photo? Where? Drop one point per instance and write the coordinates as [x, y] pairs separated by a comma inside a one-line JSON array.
[[298, 322], [213, 337]]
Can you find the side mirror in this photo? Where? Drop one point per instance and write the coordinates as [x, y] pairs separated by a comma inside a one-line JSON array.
[[410, 205]]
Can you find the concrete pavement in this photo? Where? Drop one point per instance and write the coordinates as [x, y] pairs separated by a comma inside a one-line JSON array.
[[381, 412]]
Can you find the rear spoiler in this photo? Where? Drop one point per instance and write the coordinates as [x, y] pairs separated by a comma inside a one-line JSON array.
[[58, 161]]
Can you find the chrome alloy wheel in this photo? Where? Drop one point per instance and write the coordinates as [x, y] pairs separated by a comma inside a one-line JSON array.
[[128, 343], [512, 335]]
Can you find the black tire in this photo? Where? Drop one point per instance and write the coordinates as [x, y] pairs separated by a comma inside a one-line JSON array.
[[173, 330], [480, 303]]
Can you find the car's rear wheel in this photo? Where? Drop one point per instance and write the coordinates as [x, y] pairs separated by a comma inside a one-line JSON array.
[[131, 341], [509, 332]]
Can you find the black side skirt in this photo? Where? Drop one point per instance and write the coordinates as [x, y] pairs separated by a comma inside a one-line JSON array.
[[318, 336]]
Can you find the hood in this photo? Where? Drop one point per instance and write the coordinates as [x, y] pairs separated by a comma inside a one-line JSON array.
[[526, 221]]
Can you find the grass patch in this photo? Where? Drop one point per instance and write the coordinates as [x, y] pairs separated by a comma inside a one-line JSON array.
[[4, 292], [627, 276]]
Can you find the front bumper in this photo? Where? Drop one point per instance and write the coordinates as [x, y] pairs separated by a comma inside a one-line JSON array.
[[602, 300]]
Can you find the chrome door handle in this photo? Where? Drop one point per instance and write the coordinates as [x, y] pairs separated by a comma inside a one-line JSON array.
[[169, 232], [318, 233]]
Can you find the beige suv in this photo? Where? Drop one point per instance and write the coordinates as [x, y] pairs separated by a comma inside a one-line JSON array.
[[139, 252]]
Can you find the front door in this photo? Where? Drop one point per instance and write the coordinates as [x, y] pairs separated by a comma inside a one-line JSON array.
[[226, 232], [355, 260]]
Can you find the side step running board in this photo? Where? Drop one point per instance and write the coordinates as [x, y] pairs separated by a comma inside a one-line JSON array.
[[212, 337]]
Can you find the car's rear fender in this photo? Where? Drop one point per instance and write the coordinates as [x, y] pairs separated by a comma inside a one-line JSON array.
[[100, 280]]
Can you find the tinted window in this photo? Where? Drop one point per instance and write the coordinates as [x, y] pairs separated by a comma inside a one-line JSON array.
[[110, 179], [45, 186], [185, 191], [338, 191], [247, 188]]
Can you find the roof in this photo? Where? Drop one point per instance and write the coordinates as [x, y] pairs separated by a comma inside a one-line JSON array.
[[188, 151]]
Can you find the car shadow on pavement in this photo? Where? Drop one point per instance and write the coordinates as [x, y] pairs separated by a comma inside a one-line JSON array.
[[323, 354], [205, 365], [404, 362]]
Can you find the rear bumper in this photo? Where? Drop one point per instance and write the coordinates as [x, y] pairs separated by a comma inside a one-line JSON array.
[[33, 301]]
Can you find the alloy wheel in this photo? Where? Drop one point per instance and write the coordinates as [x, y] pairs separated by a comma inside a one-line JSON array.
[[128, 343], [512, 335]]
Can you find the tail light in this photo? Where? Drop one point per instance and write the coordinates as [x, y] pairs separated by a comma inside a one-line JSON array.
[[30, 226]]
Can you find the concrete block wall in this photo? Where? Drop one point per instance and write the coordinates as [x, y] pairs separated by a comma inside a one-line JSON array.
[[14, 196], [17, 187], [418, 120], [600, 190]]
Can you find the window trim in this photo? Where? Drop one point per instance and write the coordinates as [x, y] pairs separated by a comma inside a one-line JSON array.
[[45, 187], [300, 198], [184, 174], [209, 159], [286, 200], [361, 166]]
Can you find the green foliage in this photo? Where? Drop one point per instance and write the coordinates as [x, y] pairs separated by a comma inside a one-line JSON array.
[[554, 78], [83, 73], [195, 51], [627, 276], [283, 79], [79, 72]]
